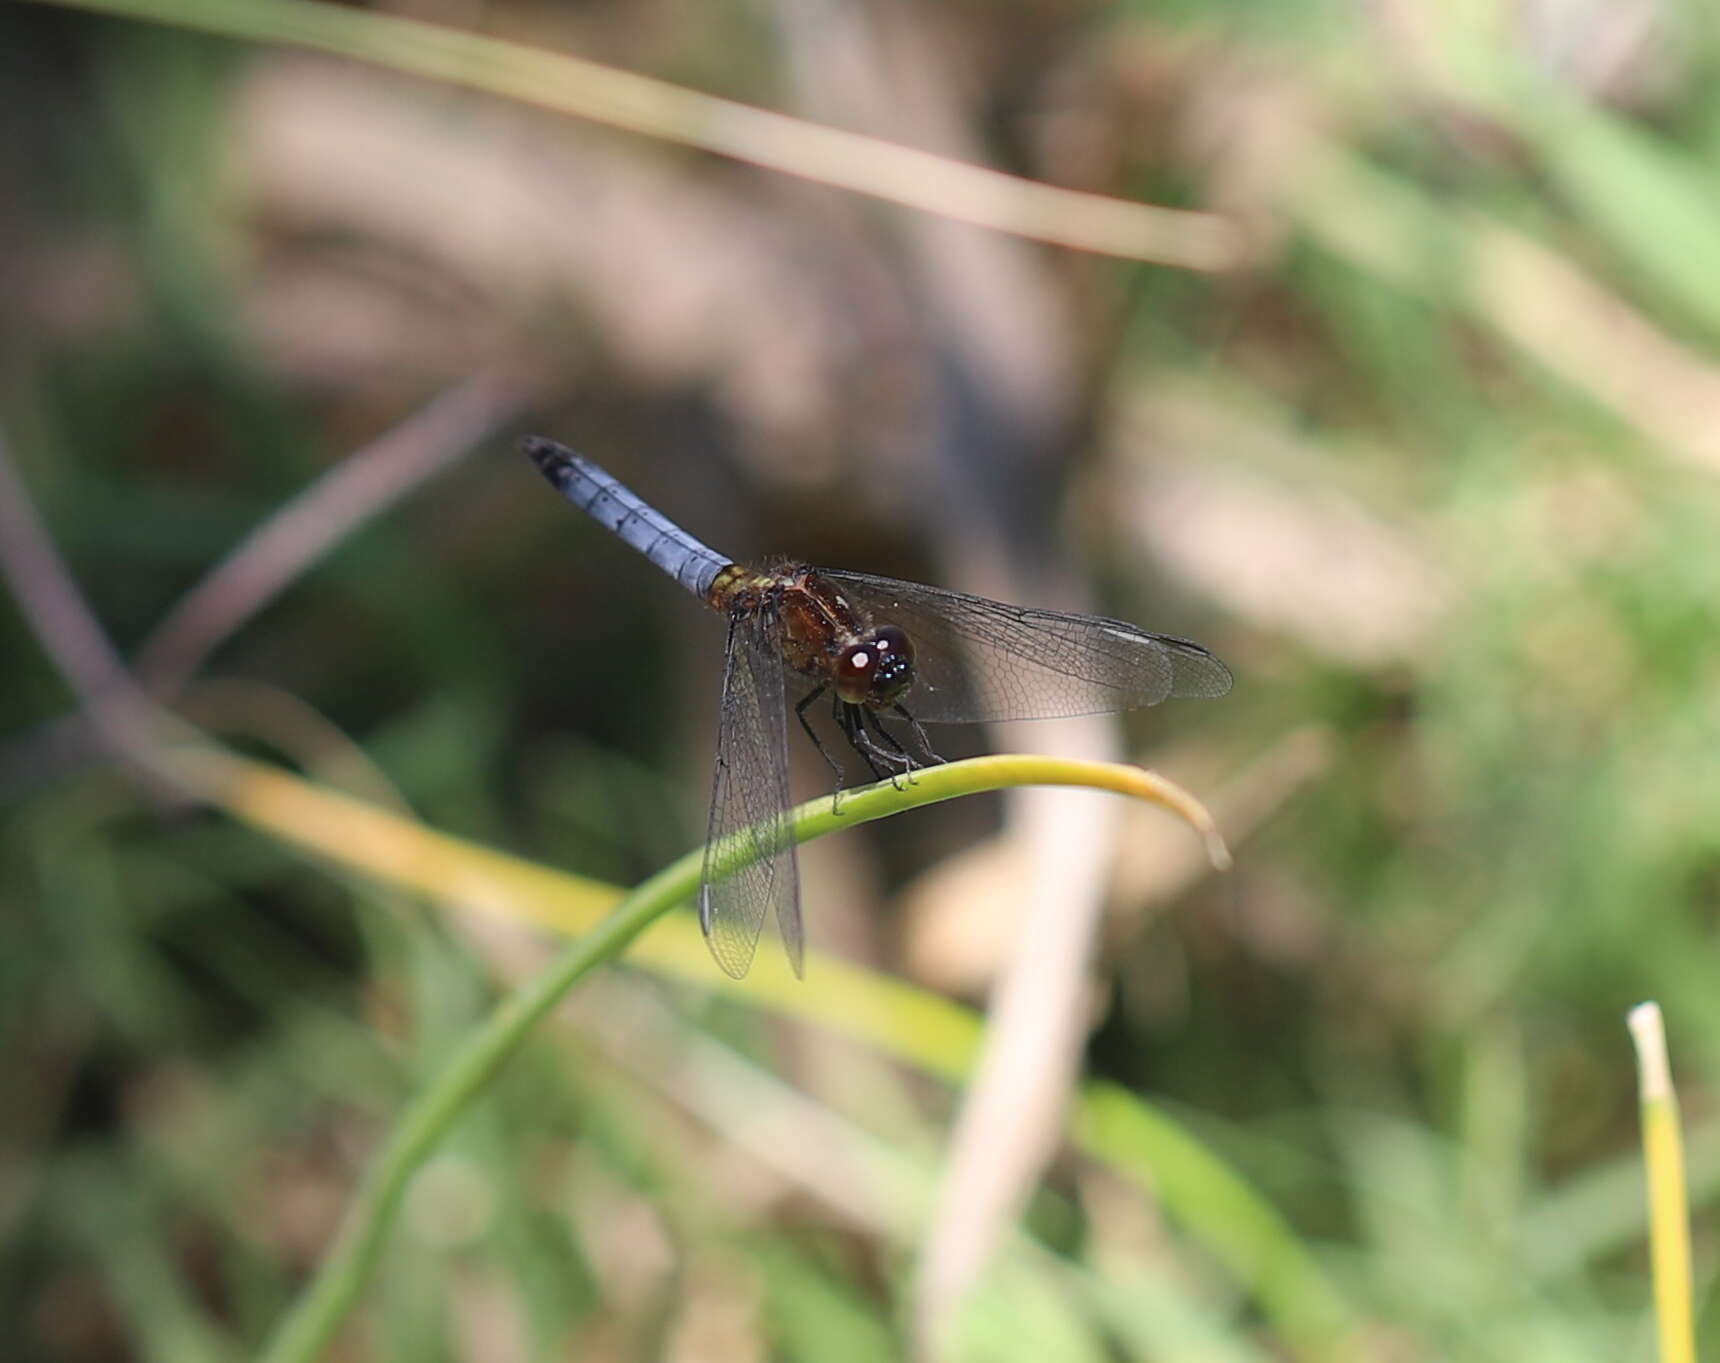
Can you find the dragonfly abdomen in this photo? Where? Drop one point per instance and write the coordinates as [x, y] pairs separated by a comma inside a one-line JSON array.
[[689, 561]]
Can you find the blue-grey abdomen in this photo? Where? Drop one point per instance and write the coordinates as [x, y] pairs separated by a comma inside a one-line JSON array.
[[691, 563]]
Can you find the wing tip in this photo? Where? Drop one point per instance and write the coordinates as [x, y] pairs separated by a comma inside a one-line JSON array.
[[733, 954], [1197, 673]]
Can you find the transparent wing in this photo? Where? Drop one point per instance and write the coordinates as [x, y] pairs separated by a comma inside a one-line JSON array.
[[749, 806], [977, 660]]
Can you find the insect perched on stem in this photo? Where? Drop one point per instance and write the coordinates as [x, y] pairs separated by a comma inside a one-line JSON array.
[[885, 652]]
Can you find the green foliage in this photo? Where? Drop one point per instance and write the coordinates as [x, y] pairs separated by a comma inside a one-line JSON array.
[[1436, 472]]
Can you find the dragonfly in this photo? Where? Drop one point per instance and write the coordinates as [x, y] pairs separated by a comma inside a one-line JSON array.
[[881, 650]]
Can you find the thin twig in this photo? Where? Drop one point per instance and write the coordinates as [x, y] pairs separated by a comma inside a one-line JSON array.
[[301, 532], [125, 720], [254, 573]]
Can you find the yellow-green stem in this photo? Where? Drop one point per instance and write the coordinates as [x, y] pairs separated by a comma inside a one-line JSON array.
[[1668, 1197], [340, 1279]]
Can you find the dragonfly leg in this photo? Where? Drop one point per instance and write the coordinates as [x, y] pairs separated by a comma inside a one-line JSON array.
[[824, 752], [895, 760], [845, 722], [898, 753], [920, 735], [853, 729]]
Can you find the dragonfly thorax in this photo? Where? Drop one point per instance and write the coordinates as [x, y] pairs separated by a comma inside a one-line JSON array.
[[819, 632], [875, 669]]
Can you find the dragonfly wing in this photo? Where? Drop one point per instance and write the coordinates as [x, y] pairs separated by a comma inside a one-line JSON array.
[[749, 865], [977, 660]]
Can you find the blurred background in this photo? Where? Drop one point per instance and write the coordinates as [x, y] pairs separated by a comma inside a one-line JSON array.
[[1418, 427]]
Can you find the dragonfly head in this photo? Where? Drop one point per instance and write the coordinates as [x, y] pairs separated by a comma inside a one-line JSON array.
[[876, 668]]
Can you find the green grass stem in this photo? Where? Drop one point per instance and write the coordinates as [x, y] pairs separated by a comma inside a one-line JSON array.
[[339, 1281]]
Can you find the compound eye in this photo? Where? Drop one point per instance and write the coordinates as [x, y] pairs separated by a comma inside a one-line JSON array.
[[894, 645], [877, 670], [855, 671]]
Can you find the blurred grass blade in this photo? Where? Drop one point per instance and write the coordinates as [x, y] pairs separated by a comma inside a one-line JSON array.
[[622, 99], [1599, 1211], [118, 1210], [335, 1287], [1645, 184], [1235, 1223], [1668, 1205], [1656, 207], [920, 1029], [1536, 298]]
